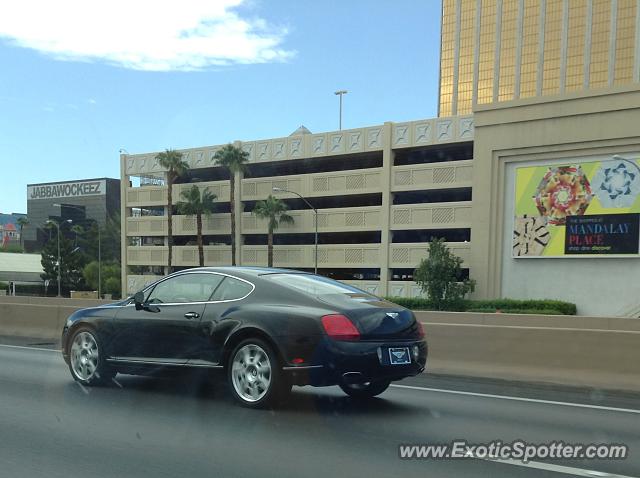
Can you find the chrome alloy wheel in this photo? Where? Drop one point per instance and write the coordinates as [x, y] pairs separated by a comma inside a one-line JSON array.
[[84, 356], [251, 372]]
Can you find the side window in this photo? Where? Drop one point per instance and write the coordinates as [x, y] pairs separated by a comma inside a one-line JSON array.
[[185, 288], [232, 289]]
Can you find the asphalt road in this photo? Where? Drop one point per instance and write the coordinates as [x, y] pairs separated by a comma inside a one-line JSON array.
[[52, 427]]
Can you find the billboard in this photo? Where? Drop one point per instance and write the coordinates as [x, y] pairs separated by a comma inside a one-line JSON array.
[[578, 209], [72, 189]]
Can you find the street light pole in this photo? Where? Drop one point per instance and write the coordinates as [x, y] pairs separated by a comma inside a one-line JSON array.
[[315, 216], [49, 221], [99, 246], [99, 264], [340, 93]]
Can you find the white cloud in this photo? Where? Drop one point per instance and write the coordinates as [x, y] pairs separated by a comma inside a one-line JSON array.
[[153, 35], [91, 101]]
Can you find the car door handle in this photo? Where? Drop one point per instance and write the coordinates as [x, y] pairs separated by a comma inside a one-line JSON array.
[[192, 315]]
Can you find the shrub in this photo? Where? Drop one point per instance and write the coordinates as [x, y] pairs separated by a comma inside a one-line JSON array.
[[518, 311], [565, 308], [421, 303], [551, 307], [14, 248], [37, 290], [440, 277]]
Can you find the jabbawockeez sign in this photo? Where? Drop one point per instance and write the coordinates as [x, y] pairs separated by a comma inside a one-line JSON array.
[[67, 190]]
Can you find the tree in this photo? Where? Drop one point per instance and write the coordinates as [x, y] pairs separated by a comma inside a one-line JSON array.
[[197, 203], [77, 230], [440, 276], [71, 263], [22, 221], [275, 211], [111, 239], [110, 276], [234, 160], [171, 160]]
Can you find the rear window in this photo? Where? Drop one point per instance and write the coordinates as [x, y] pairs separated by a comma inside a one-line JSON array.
[[315, 285]]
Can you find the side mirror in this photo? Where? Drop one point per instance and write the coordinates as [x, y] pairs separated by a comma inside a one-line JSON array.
[[138, 300]]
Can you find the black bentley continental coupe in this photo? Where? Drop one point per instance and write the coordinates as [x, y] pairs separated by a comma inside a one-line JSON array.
[[267, 328]]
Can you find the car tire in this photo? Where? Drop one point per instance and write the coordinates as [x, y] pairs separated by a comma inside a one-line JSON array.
[[86, 358], [255, 375], [365, 390]]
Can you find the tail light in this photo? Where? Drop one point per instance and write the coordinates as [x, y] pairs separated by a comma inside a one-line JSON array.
[[420, 329], [339, 327]]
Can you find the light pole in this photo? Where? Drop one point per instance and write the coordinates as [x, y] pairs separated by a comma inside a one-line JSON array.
[[315, 216], [99, 248], [49, 221], [340, 93]]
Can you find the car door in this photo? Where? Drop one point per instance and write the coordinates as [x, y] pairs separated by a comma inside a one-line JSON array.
[[216, 324], [168, 328]]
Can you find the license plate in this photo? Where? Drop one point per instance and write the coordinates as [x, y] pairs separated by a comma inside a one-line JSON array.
[[399, 356]]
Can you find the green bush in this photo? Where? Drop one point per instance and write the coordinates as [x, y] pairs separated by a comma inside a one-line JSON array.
[[440, 276], [34, 289], [565, 308], [504, 305], [518, 311], [420, 303], [14, 248]]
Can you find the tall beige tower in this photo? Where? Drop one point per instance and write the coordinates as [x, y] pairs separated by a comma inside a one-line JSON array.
[[499, 50]]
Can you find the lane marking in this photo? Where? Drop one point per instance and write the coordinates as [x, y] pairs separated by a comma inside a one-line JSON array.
[[569, 470], [519, 399], [533, 327], [86, 392], [29, 348]]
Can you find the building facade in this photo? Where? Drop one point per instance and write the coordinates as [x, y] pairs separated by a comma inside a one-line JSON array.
[[381, 193], [79, 200], [500, 50], [10, 230]]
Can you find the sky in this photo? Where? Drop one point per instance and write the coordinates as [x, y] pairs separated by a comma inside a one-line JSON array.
[[81, 80]]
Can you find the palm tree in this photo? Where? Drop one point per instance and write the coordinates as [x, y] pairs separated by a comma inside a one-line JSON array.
[[77, 230], [234, 160], [171, 160], [22, 221], [196, 204], [275, 211]]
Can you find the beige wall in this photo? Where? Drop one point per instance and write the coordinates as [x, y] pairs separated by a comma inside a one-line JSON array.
[[553, 128]]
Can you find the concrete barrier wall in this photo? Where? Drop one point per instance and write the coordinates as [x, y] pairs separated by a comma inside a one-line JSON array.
[[39, 317], [597, 352], [584, 351]]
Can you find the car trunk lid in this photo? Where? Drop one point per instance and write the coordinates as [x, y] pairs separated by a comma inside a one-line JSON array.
[[375, 318]]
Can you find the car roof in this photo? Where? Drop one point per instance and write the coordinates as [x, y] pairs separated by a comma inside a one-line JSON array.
[[246, 270]]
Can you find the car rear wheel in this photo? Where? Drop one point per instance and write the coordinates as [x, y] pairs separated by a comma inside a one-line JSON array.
[[86, 360], [255, 374], [365, 390]]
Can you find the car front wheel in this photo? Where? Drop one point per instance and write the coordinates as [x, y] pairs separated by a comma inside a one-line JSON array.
[[86, 360], [255, 376], [365, 390]]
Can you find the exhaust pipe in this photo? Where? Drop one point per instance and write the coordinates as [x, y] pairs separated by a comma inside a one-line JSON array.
[[353, 377]]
